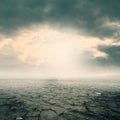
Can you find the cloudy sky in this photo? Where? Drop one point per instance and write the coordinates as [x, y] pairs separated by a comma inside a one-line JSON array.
[[59, 38]]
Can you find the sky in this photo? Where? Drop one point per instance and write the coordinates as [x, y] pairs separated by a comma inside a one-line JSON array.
[[59, 38]]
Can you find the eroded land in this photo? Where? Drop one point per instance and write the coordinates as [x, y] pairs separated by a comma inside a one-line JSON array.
[[60, 100]]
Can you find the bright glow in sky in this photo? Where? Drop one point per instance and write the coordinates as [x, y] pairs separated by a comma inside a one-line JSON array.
[[54, 51]]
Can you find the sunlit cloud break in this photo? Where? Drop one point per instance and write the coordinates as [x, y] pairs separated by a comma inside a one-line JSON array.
[[55, 51]]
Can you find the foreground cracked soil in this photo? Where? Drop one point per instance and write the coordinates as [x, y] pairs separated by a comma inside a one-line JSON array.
[[60, 102]]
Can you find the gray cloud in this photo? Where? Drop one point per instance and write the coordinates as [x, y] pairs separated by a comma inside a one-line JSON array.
[[87, 15], [90, 16], [112, 59], [113, 55]]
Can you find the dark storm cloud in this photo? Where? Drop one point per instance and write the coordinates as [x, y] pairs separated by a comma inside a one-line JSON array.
[[113, 55], [112, 59], [88, 15]]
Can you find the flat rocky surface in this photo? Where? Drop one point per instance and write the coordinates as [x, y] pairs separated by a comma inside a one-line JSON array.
[[56, 101]]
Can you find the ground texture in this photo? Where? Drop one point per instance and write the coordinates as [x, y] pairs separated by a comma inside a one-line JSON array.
[[55, 101]]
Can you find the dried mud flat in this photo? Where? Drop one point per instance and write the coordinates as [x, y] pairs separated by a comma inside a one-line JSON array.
[[56, 101]]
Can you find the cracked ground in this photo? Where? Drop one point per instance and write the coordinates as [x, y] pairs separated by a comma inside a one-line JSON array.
[[57, 101]]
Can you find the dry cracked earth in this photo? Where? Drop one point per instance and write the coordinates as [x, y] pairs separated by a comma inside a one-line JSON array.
[[56, 101]]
